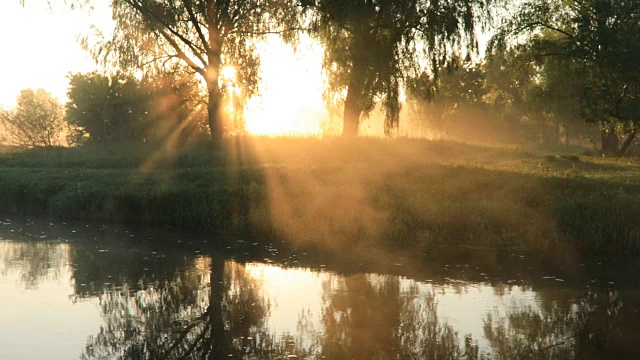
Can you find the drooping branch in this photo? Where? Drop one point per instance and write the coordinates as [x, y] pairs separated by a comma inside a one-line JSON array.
[[152, 16]]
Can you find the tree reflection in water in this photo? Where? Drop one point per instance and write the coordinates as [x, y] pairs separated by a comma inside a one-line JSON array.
[[596, 325], [380, 317], [218, 309], [163, 301], [212, 310], [36, 261]]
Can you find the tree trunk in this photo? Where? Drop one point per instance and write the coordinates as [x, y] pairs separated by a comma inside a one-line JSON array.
[[220, 348], [627, 142], [610, 142], [215, 118], [214, 59], [353, 105]]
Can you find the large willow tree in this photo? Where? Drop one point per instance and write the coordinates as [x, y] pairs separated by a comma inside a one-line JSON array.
[[371, 46], [204, 35]]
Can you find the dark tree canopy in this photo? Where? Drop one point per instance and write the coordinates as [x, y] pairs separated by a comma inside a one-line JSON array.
[[371, 46], [120, 108], [602, 38], [108, 109]]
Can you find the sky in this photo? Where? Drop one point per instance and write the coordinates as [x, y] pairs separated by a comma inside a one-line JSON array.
[[40, 47]]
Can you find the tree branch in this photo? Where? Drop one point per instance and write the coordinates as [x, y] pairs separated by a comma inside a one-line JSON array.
[[196, 25], [196, 50], [180, 54]]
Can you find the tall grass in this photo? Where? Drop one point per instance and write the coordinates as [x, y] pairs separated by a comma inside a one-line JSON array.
[[410, 194]]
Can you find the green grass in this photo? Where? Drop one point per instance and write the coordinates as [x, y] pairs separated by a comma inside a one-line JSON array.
[[408, 194]]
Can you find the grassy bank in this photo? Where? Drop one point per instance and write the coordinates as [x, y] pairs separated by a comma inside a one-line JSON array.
[[411, 194]]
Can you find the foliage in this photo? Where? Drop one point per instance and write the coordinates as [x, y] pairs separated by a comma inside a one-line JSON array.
[[455, 96], [528, 98], [603, 38], [175, 107], [370, 46], [110, 109], [36, 121]]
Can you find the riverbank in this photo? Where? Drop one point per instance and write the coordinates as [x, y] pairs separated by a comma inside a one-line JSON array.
[[341, 194]]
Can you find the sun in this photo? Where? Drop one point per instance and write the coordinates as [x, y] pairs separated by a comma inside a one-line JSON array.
[[290, 101]]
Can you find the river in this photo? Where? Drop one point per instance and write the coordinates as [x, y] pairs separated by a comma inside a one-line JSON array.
[[94, 291]]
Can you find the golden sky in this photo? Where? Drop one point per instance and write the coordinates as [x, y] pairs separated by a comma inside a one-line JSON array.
[[39, 46]]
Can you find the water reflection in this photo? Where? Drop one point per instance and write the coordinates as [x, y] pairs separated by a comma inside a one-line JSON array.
[[35, 261], [373, 317], [593, 325], [150, 299]]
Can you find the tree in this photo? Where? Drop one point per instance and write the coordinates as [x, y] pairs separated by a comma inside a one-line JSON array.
[[108, 109], [371, 45], [458, 90], [603, 38], [514, 91], [36, 121], [203, 35], [175, 107], [157, 108], [562, 81]]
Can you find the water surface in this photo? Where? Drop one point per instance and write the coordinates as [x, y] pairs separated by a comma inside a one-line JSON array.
[[92, 291]]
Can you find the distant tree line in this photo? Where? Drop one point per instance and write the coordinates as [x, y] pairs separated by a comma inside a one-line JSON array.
[[107, 110], [552, 65]]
